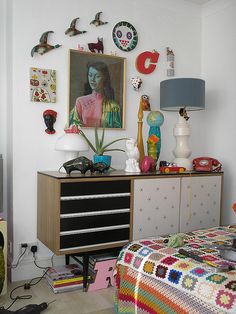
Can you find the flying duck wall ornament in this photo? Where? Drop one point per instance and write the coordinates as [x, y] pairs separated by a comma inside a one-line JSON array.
[[72, 30], [97, 21], [43, 46]]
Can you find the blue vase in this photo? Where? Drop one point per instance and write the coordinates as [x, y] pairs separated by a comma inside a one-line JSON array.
[[106, 159]]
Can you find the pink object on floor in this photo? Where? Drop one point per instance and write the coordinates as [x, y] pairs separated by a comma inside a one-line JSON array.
[[104, 276]]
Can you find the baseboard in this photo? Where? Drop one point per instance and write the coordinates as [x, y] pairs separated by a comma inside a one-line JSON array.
[[27, 270]]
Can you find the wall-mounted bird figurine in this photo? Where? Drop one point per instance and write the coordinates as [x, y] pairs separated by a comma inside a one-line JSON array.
[[43, 46], [97, 21], [72, 30]]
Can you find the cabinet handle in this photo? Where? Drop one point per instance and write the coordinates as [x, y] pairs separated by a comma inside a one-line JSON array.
[[123, 242], [86, 197], [63, 233], [96, 213]]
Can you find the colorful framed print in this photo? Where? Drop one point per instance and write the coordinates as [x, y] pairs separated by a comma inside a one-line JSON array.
[[96, 90], [42, 85], [125, 36]]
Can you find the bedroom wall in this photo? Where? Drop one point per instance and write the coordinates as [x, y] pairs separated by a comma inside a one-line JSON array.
[[219, 68], [159, 24]]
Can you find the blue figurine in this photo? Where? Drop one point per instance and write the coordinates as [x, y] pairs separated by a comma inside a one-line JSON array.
[[155, 119]]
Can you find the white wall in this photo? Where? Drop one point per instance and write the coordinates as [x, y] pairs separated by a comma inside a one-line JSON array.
[[159, 24], [219, 70]]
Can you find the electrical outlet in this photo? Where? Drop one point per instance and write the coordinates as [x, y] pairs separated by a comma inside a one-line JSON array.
[[28, 247]]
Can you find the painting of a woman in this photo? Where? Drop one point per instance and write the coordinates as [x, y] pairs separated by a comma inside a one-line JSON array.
[[98, 105]]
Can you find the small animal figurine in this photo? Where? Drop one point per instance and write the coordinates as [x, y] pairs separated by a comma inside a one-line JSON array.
[[49, 119], [96, 46], [136, 82], [100, 167], [183, 113], [97, 21], [72, 30], [43, 46], [82, 164]]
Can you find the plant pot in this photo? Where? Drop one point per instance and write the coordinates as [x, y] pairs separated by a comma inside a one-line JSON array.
[[102, 158]]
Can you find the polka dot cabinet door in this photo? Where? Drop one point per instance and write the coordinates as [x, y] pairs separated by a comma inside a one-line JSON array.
[[156, 207], [200, 202]]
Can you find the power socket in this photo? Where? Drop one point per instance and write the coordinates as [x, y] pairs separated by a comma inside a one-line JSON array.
[[26, 246]]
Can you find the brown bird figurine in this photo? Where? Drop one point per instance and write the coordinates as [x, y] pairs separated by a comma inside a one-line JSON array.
[[43, 46], [72, 30], [97, 21]]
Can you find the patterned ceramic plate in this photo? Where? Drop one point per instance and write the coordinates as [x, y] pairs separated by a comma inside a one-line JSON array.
[[125, 36]]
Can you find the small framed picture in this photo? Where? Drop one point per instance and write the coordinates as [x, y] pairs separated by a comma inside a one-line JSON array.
[[42, 85], [96, 90]]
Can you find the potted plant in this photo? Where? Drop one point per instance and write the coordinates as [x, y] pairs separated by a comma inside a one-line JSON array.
[[99, 148]]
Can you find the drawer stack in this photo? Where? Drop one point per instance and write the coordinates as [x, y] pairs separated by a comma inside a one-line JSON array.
[[80, 215], [94, 214]]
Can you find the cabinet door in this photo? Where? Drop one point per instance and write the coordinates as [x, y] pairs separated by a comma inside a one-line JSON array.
[[200, 202], [156, 207]]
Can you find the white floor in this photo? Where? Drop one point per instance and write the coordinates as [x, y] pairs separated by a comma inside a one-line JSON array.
[[76, 302]]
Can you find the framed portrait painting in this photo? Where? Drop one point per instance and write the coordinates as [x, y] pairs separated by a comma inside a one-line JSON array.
[[96, 90]]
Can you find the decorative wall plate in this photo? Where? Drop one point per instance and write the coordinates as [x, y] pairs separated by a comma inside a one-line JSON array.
[[125, 36]]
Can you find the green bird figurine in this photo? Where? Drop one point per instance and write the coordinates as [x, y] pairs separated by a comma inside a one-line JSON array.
[[72, 30], [97, 21], [43, 46]]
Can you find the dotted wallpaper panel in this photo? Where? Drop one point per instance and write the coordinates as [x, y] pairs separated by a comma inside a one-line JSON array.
[[200, 202], [156, 207]]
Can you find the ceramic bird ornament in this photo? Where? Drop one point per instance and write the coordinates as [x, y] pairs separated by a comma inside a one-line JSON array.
[[43, 46], [72, 30], [97, 21]]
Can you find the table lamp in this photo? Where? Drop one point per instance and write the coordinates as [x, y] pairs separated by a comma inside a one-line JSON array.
[[182, 95], [71, 143]]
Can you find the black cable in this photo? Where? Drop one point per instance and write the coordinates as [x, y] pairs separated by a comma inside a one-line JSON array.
[[29, 284]]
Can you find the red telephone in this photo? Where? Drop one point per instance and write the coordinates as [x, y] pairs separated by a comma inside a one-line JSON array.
[[206, 164]]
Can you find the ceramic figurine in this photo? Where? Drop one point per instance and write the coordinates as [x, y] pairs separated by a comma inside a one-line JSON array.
[[170, 62], [148, 164], [154, 119], [136, 82], [82, 164], [97, 21], [96, 46], [144, 105], [183, 113], [43, 46], [49, 119], [72, 30], [133, 156], [100, 167]]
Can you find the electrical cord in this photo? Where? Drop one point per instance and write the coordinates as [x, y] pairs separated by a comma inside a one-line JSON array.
[[19, 259], [29, 284]]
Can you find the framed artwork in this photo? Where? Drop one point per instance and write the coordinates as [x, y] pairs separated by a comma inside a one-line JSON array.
[[96, 90], [42, 85]]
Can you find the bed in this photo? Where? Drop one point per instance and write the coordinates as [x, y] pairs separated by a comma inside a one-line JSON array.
[[154, 278]]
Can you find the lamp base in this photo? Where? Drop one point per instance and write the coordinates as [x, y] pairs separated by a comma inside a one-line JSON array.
[[183, 162], [182, 151]]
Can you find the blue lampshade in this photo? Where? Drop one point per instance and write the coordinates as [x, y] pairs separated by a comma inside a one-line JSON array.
[[182, 92]]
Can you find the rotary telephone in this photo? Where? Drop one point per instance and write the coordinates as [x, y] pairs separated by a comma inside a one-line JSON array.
[[206, 164]]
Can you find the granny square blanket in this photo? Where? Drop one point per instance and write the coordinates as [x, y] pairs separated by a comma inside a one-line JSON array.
[[151, 257]]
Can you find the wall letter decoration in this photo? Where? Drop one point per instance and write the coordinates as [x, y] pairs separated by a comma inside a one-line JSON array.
[[146, 61]]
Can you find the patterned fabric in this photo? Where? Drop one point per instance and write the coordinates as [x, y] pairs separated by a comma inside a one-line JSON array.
[[150, 264]]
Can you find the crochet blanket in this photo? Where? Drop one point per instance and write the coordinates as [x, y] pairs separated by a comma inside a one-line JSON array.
[[151, 257]]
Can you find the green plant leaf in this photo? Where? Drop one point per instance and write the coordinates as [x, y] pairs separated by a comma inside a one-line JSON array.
[[88, 141], [119, 139]]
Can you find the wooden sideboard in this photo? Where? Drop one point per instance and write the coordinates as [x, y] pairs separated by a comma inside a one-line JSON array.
[[83, 213]]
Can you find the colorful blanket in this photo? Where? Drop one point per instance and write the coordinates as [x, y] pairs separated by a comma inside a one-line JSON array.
[[152, 278]]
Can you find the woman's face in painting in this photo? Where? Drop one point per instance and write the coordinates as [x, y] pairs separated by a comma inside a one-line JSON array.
[[96, 79]]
